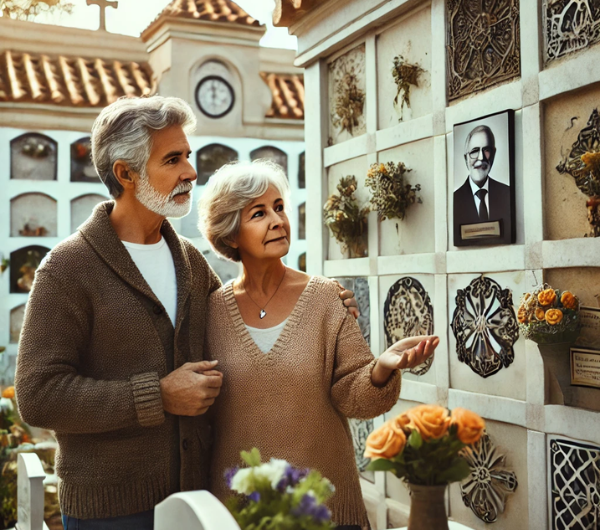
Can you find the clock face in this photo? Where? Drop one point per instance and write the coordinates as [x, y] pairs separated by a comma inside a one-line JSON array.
[[214, 96]]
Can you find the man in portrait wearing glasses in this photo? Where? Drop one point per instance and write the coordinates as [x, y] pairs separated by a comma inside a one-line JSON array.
[[481, 198]]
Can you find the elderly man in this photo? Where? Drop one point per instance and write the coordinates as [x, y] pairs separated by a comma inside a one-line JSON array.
[[111, 352], [481, 198]]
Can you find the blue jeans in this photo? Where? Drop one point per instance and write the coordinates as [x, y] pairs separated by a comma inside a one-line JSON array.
[[137, 521]]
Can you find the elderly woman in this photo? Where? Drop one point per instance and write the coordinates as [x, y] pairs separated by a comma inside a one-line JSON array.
[[294, 362]]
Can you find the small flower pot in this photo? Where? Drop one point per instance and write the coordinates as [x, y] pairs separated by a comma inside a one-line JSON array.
[[427, 508]]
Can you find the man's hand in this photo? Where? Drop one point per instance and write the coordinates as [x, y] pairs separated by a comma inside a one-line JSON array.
[[349, 301], [191, 389], [406, 353]]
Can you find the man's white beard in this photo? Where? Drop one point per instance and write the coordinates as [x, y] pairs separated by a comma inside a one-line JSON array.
[[160, 204]]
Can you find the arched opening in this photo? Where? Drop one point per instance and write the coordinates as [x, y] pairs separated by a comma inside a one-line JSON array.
[[33, 215], [213, 157], [33, 157]]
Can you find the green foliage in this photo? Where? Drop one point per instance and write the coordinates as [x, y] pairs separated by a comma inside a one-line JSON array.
[[29, 9], [391, 194], [279, 508], [346, 219], [428, 463], [404, 75]]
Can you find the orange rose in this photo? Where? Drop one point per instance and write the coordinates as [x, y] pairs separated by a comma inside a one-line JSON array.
[[568, 300], [547, 297], [9, 392], [540, 314], [432, 421], [469, 425], [554, 316], [386, 442], [522, 315], [382, 169]]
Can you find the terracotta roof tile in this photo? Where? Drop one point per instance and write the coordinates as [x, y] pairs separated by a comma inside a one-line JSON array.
[[287, 12], [70, 81], [288, 95], [211, 10]]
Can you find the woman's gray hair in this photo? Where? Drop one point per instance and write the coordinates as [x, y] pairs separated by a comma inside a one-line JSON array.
[[123, 131], [228, 192]]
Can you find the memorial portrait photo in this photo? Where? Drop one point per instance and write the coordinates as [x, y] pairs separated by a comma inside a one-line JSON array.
[[484, 196]]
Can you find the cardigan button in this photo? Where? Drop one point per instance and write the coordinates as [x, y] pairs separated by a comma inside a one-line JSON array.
[[184, 444], [157, 309]]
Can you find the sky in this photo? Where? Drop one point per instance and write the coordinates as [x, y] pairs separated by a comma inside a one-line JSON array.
[[133, 16]]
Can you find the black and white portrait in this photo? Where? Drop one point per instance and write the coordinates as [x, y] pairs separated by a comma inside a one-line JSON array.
[[484, 181]]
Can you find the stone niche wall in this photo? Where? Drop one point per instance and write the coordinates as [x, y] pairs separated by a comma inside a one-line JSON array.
[[476, 60]]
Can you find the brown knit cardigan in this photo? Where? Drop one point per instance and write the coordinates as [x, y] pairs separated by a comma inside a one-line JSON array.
[[95, 343], [293, 401]]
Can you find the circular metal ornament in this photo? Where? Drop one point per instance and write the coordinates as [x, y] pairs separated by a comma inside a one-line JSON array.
[[485, 326], [407, 313]]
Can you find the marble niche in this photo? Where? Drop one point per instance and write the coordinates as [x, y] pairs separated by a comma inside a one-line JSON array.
[[23, 264], [211, 158], [33, 215], [271, 153], [347, 95], [82, 168], [33, 156], [17, 315]]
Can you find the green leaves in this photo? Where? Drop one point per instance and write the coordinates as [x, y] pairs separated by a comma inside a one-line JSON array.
[[381, 464], [415, 440], [251, 458]]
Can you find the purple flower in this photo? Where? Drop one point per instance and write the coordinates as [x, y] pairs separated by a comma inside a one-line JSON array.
[[291, 477], [308, 506], [229, 474], [254, 496]]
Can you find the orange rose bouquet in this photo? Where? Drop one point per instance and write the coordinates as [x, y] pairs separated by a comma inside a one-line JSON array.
[[549, 316], [424, 444]]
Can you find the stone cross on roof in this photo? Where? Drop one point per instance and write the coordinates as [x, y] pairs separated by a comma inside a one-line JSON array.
[[103, 4]]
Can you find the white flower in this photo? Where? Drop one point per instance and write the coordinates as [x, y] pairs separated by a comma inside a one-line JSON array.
[[6, 405], [241, 481], [272, 471]]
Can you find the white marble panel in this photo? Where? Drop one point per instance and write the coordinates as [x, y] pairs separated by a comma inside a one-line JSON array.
[[428, 283], [33, 214], [507, 382], [82, 207], [416, 233], [411, 39], [358, 168]]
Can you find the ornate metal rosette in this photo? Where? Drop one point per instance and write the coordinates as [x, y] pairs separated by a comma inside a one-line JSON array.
[[488, 486], [483, 44], [407, 313], [574, 485], [360, 431], [569, 26], [485, 326]]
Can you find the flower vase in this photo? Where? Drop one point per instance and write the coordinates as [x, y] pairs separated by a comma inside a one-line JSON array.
[[427, 508], [557, 363], [358, 248]]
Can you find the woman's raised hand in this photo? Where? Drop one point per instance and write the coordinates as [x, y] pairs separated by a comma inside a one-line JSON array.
[[406, 353]]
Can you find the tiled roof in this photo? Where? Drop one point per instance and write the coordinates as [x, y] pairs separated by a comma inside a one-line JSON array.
[[288, 95], [70, 81], [286, 12], [211, 10]]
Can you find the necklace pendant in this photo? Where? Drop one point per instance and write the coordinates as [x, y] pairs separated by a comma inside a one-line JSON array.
[[263, 314]]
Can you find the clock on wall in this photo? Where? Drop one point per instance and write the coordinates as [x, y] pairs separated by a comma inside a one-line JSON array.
[[214, 96]]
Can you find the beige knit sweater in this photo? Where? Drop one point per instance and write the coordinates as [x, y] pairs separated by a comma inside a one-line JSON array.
[[293, 401]]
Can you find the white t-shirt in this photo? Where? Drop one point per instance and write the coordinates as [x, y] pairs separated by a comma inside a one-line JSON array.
[[155, 262], [266, 338]]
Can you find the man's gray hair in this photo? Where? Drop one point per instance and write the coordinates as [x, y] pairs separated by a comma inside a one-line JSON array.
[[478, 129], [228, 192], [123, 131]]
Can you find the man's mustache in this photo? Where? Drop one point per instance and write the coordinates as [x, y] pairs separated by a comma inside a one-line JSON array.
[[184, 187], [480, 164]]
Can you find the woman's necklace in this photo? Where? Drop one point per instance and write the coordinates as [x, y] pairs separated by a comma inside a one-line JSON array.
[[263, 313]]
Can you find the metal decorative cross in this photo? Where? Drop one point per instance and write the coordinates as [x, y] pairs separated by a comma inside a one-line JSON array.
[[103, 4]]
